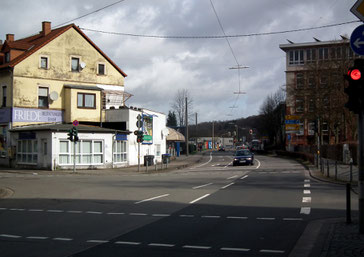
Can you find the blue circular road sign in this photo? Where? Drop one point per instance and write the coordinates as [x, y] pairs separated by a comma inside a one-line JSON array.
[[357, 40]]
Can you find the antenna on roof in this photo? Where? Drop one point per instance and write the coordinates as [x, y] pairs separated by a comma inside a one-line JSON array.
[[317, 40], [344, 37], [291, 42]]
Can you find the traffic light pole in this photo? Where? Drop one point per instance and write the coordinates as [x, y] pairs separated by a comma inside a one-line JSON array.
[[361, 170], [74, 156]]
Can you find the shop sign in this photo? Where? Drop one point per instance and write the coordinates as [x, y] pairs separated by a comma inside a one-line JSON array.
[[36, 115]]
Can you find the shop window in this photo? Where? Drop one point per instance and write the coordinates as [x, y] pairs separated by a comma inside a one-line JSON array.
[[43, 97], [120, 152], [88, 152], [86, 100], [27, 152]]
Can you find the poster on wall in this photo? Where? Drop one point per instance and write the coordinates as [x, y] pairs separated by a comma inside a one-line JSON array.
[[148, 129]]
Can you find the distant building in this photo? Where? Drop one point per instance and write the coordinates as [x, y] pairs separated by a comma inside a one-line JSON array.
[[315, 92]]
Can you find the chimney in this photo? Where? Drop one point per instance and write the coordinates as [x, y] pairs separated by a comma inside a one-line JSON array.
[[10, 37], [46, 28]]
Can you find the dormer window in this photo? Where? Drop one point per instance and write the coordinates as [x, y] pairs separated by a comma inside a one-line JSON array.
[[44, 62], [7, 57], [75, 64]]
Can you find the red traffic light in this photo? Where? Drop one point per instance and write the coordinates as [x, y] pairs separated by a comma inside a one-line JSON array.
[[355, 74]]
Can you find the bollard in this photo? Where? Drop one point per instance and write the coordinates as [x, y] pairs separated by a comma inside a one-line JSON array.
[[335, 170], [328, 169], [348, 204]]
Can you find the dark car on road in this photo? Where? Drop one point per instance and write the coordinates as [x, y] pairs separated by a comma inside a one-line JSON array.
[[243, 156]]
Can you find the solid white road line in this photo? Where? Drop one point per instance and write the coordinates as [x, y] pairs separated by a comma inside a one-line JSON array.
[[235, 249], [151, 199], [205, 162], [205, 185], [258, 164], [232, 177], [224, 187], [200, 198]]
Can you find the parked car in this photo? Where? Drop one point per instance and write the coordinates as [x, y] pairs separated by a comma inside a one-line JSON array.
[[243, 157]]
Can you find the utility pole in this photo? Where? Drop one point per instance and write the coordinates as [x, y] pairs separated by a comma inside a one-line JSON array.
[[361, 170], [196, 131], [213, 135], [186, 129]]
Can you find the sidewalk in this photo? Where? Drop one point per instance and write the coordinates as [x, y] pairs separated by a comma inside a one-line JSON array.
[[334, 237], [179, 163]]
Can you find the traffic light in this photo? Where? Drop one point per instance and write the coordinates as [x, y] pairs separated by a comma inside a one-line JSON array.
[[355, 89], [70, 135], [140, 135], [75, 134]]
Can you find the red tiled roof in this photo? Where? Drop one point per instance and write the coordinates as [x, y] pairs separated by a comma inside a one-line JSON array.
[[33, 43]]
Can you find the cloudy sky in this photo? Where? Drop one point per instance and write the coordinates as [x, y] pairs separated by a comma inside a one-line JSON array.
[[157, 67]]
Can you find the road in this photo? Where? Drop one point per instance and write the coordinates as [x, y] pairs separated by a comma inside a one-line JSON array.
[[209, 209]]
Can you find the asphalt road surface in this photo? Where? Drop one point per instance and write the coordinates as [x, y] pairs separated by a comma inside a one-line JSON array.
[[210, 209]]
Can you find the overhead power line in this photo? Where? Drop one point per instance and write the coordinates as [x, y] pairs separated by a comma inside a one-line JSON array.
[[220, 36], [87, 14]]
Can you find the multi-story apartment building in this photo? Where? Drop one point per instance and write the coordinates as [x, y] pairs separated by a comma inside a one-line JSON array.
[[315, 92], [51, 79]]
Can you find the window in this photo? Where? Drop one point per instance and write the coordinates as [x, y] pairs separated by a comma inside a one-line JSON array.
[[86, 100], [75, 64], [101, 69], [323, 80], [336, 53], [7, 57], [300, 105], [311, 55], [296, 57], [120, 153], [43, 97], [27, 151], [311, 105], [44, 62], [323, 53], [300, 81], [4, 97], [311, 80], [88, 152]]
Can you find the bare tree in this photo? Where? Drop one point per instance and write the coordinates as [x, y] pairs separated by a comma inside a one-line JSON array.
[[179, 105]]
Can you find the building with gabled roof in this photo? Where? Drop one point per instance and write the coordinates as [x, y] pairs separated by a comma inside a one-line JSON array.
[[59, 76]]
